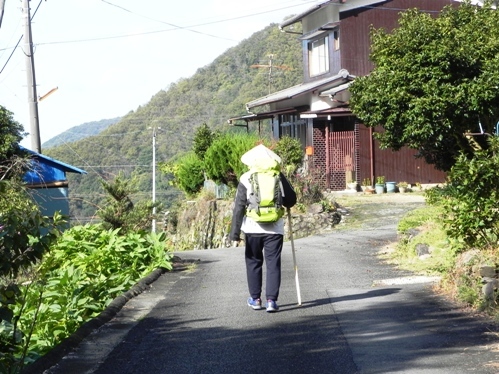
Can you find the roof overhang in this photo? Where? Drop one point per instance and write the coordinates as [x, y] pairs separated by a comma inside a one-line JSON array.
[[335, 90], [343, 76], [326, 113], [345, 5], [53, 162], [264, 115]]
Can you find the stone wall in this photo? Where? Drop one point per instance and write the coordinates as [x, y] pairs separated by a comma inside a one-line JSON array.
[[205, 224]]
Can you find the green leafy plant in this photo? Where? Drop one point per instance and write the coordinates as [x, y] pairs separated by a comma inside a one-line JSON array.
[[307, 187], [291, 152], [86, 269], [223, 159], [470, 198], [187, 173], [120, 211], [380, 180]]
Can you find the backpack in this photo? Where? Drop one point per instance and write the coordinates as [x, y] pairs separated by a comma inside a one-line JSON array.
[[265, 193]]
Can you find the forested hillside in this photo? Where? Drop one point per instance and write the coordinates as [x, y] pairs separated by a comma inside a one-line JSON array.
[[212, 95], [80, 132]]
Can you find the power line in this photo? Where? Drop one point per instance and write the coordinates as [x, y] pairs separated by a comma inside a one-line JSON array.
[[175, 27]]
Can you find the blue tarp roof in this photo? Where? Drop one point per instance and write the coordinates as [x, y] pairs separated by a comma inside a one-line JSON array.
[[46, 169]]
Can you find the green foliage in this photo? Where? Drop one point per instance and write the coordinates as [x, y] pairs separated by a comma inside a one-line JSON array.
[[202, 140], [120, 211], [82, 274], [291, 152], [435, 79], [22, 241], [187, 173], [222, 160], [470, 198], [11, 133], [308, 188]]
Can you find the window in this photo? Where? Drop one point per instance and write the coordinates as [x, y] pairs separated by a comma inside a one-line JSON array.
[[318, 57]]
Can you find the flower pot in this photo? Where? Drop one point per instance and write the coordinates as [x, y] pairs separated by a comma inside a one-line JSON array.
[[368, 190], [380, 188], [352, 186], [390, 187], [402, 189]]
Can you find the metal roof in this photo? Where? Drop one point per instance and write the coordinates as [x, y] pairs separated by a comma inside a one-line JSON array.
[[300, 89], [333, 91], [54, 162]]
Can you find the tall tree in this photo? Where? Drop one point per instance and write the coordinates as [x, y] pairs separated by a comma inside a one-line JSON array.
[[435, 82]]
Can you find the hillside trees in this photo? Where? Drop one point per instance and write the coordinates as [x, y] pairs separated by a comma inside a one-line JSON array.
[[434, 81], [215, 93]]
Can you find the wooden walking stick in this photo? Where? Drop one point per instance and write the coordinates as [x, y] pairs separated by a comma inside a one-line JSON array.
[[297, 282]]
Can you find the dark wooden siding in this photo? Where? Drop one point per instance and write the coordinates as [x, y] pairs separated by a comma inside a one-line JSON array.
[[394, 166], [355, 29]]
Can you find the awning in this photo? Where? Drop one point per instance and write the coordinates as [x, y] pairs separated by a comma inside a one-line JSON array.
[[289, 93]]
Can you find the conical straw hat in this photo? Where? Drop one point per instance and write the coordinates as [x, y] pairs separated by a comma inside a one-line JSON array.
[[260, 152]]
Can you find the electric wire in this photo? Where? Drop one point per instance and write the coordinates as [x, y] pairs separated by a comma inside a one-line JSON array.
[[19, 41]]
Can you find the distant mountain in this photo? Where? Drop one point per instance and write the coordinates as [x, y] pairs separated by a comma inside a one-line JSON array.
[[80, 132], [214, 94]]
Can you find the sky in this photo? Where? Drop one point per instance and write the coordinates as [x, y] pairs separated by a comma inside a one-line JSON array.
[[105, 58]]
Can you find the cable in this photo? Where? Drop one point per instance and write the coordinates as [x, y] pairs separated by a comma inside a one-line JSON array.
[[19, 41], [175, 27]]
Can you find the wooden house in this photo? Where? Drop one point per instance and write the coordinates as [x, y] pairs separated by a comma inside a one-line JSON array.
[[48, 183], [335, 38]]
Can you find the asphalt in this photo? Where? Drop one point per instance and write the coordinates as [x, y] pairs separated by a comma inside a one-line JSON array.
[[358, 315]]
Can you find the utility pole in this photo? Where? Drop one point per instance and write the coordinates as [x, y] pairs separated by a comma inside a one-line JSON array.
[[270, 66], [31, 81], [2, 7], [154, 177]]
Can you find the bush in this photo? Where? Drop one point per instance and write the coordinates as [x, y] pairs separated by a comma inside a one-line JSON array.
[[223, 159], [291, 152], [187, 173], [470, 198]]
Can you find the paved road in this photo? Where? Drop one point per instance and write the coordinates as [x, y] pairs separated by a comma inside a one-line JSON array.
[[197, 321]]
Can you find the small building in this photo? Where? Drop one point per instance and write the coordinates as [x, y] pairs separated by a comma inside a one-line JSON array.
[[335, 39], [48, 183]]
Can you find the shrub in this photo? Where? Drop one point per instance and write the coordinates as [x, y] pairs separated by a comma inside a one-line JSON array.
[[470, 198], [223, 159], [187, 173], [291, 153]]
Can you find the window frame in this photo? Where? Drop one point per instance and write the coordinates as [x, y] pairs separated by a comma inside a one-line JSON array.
[[318, 56]]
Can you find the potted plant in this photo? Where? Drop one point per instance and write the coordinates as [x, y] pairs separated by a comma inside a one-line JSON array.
[[352, 185], [402, 186], [390, 186], [380, 184], [367, 186]]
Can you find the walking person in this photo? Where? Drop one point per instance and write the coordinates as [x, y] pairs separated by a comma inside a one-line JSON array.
[[263, 240]]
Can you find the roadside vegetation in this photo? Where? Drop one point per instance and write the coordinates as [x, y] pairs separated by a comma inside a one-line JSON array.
[[434, 89], [459, 229], [54, 279]]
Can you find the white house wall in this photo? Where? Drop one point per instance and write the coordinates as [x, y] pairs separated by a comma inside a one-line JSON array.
[[320, 103]]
